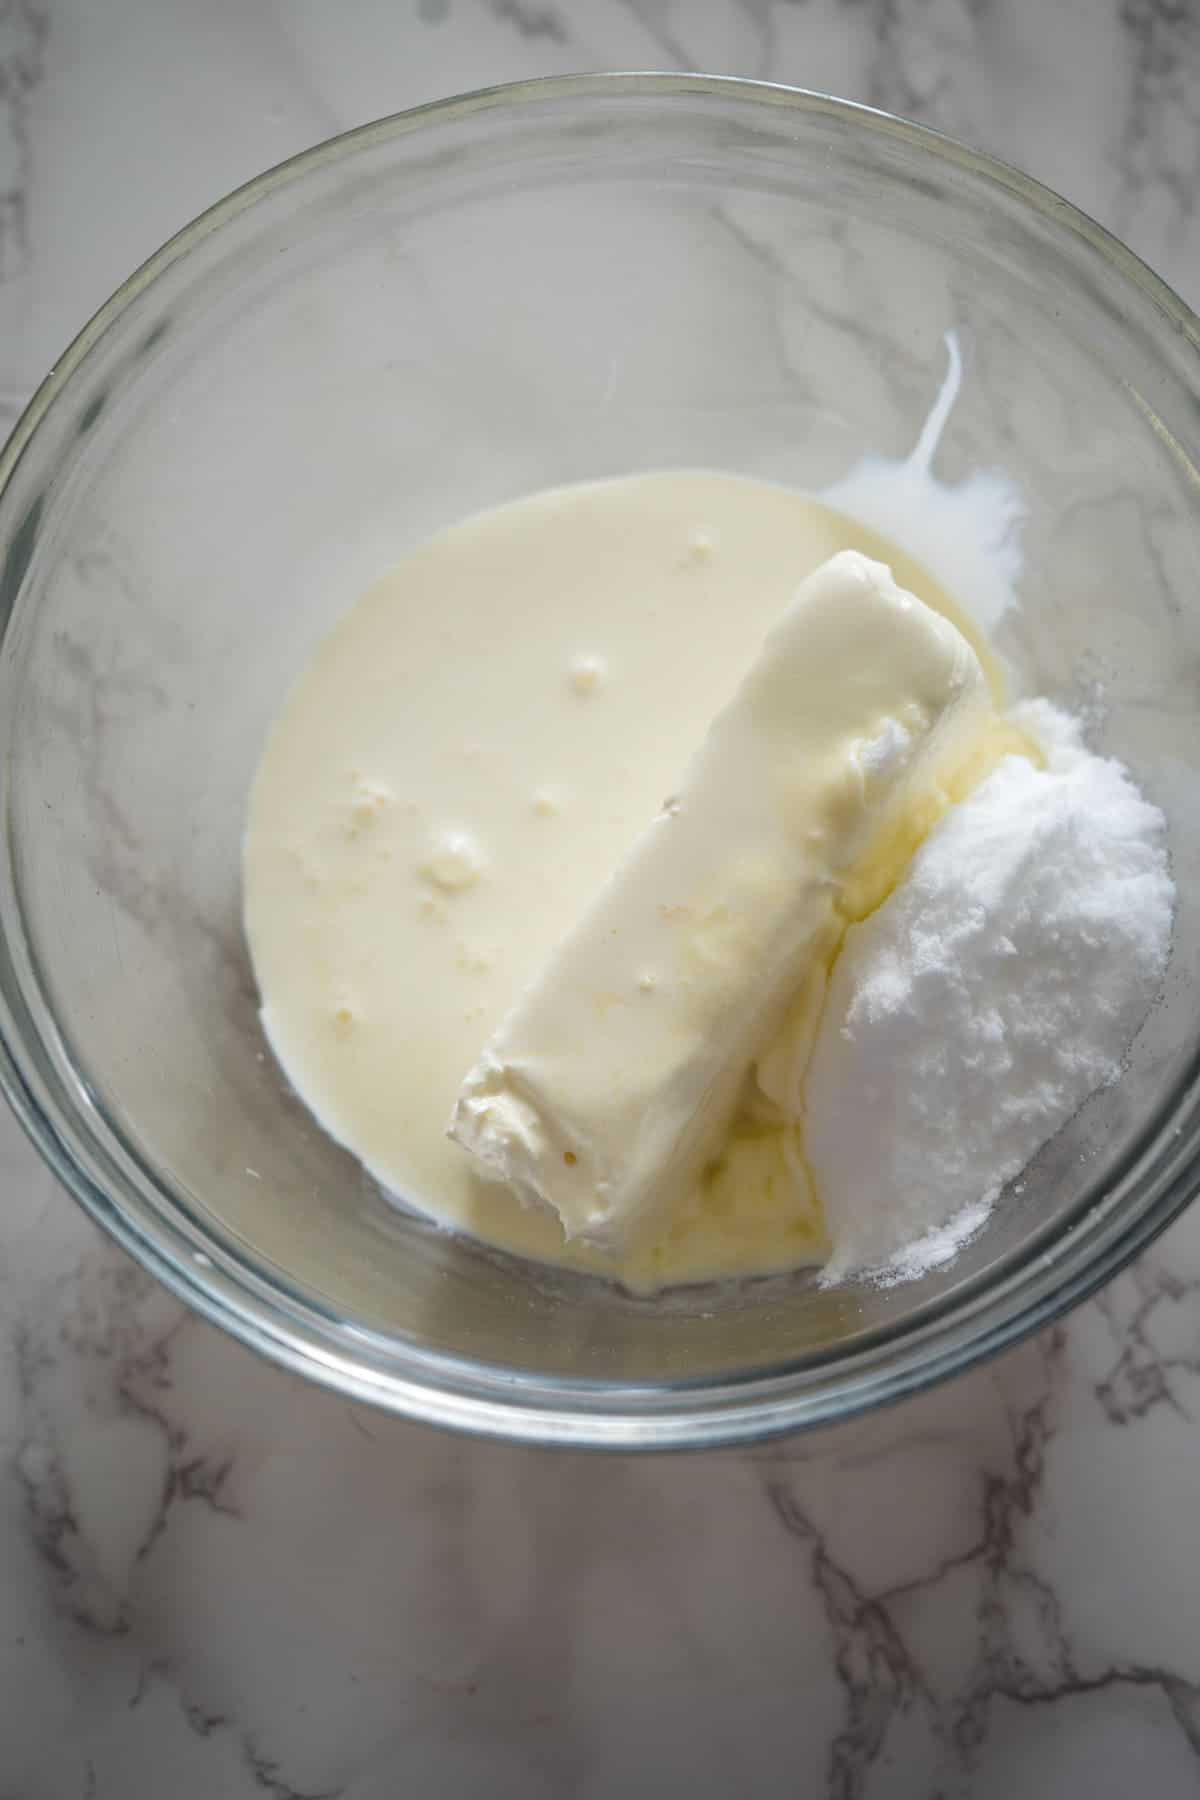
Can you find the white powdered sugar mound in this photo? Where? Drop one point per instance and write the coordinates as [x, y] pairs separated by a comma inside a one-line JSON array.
[[973, 1013]]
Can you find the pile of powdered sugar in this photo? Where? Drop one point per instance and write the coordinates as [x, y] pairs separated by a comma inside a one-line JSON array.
[[975, 1011]]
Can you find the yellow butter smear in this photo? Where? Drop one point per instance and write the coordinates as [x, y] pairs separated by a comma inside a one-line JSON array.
[[758, 1205]]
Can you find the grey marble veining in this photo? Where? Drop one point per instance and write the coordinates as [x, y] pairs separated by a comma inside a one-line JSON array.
[[221, 1582]]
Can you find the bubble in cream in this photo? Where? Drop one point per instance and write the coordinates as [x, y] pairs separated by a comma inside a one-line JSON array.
[[586, 674], [455, 862], [370, 799], [701, 546]]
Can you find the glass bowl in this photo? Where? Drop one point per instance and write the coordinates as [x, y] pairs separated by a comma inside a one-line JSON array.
[[436, 313]]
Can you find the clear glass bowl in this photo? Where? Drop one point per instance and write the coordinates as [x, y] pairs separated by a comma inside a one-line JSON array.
[[531, 285]]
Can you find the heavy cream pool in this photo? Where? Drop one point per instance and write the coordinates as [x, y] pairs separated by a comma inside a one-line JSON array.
[[457, 772]]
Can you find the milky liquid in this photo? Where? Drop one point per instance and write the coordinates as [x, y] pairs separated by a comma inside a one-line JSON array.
[[465, 760]]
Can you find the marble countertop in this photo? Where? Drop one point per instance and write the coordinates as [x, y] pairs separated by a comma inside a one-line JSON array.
[[220, 1582]]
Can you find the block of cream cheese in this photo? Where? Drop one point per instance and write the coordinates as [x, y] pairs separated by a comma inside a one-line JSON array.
[[614, 1078]]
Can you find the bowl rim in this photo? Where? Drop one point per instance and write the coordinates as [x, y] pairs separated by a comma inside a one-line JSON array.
[[434, 1387]]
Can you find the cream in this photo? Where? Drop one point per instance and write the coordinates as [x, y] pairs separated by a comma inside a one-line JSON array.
[[451, 782]]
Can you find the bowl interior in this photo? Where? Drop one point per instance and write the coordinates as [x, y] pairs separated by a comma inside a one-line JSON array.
[[449, 313]]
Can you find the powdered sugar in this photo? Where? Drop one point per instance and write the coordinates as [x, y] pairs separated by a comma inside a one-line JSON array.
[[971, 1015], [965, 534]]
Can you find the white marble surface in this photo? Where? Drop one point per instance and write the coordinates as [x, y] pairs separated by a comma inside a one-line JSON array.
[[220, 1582]]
